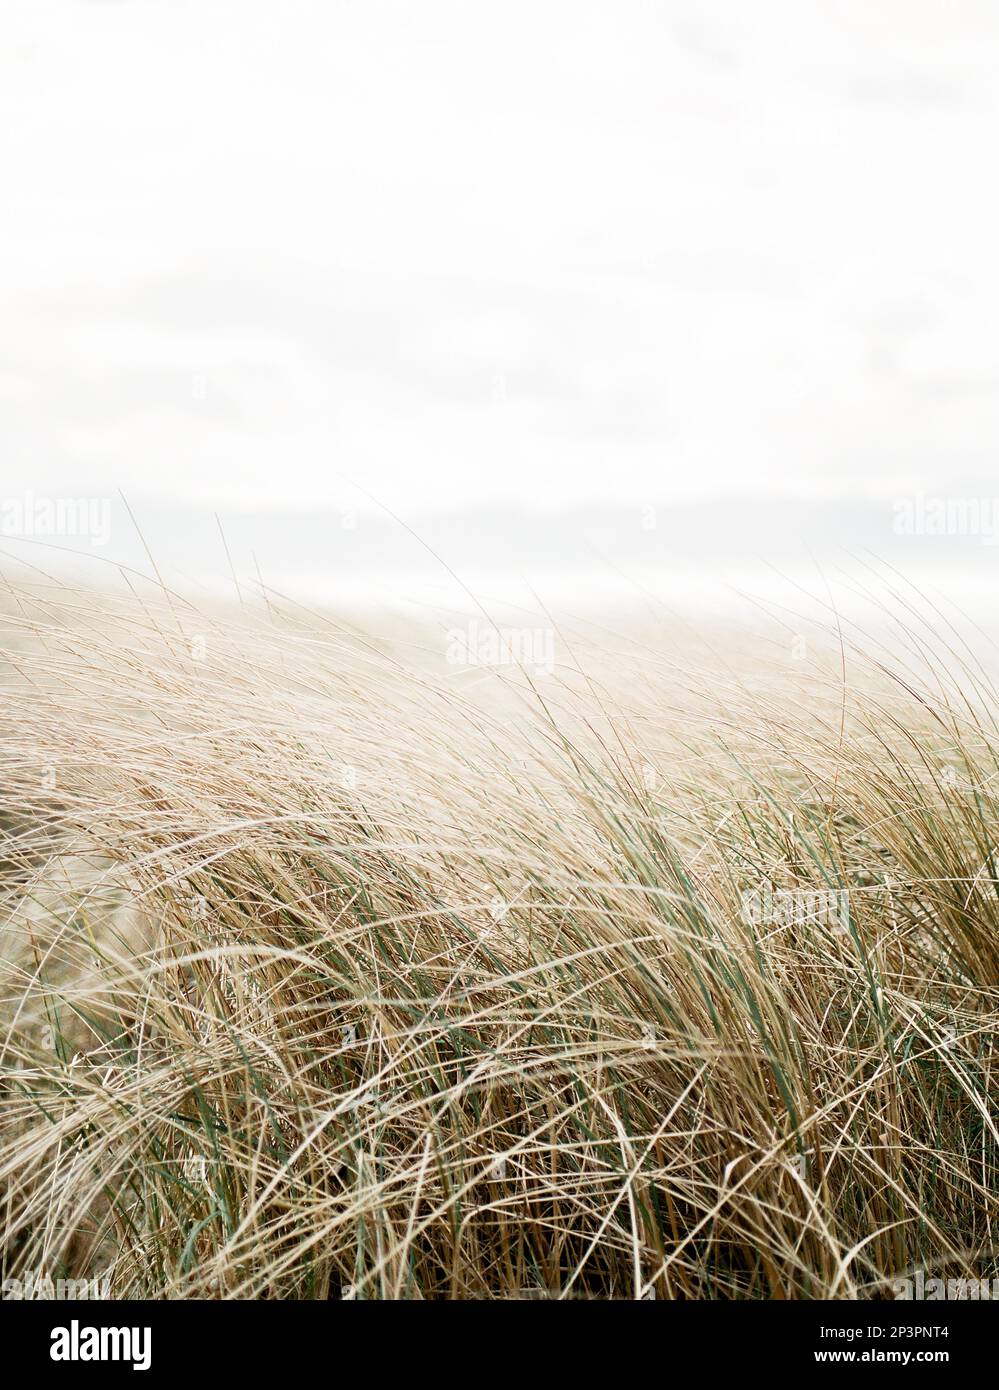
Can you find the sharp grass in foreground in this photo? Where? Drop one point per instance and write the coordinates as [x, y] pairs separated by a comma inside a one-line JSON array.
[[330, 971]]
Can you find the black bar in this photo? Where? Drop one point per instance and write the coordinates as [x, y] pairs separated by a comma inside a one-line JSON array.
[[268, 1338]]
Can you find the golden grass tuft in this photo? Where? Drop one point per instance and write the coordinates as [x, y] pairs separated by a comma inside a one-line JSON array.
[[328, 970]]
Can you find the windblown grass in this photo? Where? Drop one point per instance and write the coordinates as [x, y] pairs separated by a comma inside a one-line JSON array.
[[329, 971]]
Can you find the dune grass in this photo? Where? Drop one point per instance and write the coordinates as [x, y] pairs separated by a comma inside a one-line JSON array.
[[330, 971]]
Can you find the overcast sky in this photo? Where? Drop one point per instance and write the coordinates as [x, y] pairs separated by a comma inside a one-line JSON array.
[[498, 255]]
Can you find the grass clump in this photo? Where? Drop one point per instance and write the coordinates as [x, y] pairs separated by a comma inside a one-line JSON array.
[[329, 971]]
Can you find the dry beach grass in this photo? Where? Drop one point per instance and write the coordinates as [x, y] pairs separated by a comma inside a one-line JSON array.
[[329, 970]]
